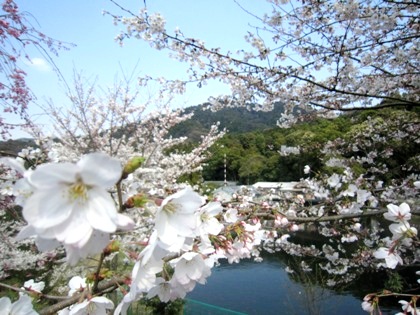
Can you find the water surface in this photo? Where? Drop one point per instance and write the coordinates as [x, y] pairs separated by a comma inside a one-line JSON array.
[[266, 288]]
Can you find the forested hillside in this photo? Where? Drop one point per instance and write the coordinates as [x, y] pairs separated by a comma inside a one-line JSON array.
[[261, 155], [235, 120]]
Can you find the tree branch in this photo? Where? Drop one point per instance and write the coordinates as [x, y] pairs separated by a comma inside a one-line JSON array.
[[53, 309]]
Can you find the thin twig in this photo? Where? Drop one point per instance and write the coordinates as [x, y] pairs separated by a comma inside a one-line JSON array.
[[53, 309]]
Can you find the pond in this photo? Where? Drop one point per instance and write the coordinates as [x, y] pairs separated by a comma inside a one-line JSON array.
[[266, 288]]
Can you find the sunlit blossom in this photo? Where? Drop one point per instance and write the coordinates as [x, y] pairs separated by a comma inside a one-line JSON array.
[[207, 222], [76, 284], [162, 289], [399, 230], [392, 259], [176, 216], [97, 305], [231, 215], [33, 286], [191, 267], [23, 306], [70, 201], [399, 213]]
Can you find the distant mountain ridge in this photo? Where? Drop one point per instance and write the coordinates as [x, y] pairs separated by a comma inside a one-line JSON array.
[[235, 120]]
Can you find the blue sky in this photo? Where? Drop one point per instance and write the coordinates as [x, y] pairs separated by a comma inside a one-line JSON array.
[[220, 23]]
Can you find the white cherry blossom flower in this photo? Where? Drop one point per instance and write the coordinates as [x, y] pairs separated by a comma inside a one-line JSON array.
[[76, 284], [191, 267], [33, 286], [349, 238], [231, 215], [403, 229], [95, 244], [391, 258], [97, 305], [207, 223], [367, 306], [70, 201], [363, 195], [23, 306], [408, 307], [399, 213], [176, 216], [162, 289], [334, 181], [350, 191]]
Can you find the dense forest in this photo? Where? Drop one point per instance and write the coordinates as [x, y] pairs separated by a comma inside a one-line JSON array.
[[261, 153], [234, 119]]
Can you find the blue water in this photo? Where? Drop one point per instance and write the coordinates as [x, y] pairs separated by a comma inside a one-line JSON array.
[[265, 288]]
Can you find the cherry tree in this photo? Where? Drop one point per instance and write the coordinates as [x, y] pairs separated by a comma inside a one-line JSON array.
[[107, 188], [16, 35], [324, 55]]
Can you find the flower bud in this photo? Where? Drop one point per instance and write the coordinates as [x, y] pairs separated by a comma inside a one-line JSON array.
[[132, 165], [113, 246], [137, 201]]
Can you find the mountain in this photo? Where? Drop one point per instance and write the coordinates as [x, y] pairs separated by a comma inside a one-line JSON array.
[[13, 146], [235, 120]]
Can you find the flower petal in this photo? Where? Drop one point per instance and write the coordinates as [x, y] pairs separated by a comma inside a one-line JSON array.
[[100, 211], [47, 208], [106, 175], [74, 230], [51, 175]]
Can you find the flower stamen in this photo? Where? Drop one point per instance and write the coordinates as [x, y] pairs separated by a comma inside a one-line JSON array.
[[78, 191]]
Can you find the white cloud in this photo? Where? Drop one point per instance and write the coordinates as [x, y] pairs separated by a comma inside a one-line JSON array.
[[39, 64]]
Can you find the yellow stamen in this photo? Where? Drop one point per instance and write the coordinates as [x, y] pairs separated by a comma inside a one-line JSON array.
[[78, 191], [170, 208]]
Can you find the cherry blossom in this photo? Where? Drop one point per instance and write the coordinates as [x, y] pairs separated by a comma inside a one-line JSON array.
[[76, 284], [179, 240], [23, 306], [70, 202], [392, 259], [408, 308], [33, 286], [207, 223], [367, 306], [231, 215], [97, 305], [176, 216], [191, 267], [399, 213]]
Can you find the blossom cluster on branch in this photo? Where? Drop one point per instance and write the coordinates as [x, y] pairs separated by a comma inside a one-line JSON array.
[[326, 55], [16, 34]]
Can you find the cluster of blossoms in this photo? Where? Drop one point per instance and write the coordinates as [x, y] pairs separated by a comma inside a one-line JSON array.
[[354, 66], [172, 237], [185, 235], [71, 204], [16, 35], [402, 235]]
